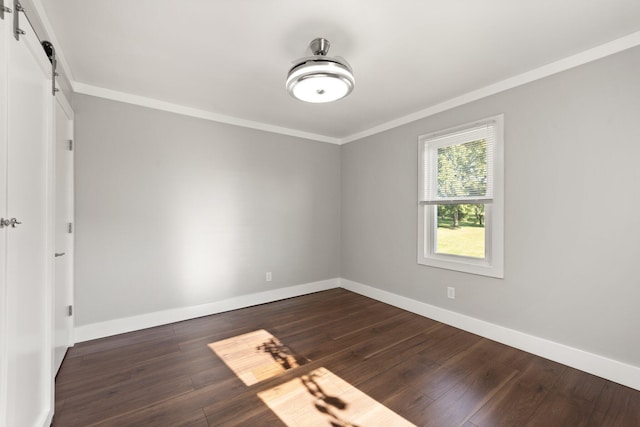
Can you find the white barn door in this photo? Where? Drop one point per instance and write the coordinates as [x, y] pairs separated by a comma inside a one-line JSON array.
[[4, 342], [27, 241]]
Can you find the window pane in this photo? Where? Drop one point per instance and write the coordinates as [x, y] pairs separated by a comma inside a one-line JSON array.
[[462, 170], [460, 230]]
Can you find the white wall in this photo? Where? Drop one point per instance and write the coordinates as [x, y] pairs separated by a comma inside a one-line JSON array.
[[173, 211], [572, 233]]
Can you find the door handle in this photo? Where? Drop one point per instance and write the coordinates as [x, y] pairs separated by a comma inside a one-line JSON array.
[[9, 222], [57, 254]]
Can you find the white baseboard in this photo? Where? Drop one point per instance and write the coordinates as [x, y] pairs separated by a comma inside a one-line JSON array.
[[601, 366], [47, 419], [604, 367], [148, 320]]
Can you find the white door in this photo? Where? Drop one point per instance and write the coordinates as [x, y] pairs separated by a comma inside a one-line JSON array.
[[27, 313], [4, 342], [63, 287]]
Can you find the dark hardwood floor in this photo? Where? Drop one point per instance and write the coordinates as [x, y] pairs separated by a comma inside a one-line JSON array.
[[427, 372]]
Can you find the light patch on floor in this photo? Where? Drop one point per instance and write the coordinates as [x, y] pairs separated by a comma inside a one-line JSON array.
[[321, 398], [256, 356]]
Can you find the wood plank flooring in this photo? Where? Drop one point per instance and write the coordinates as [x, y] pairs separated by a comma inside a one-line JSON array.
[[428, 373]]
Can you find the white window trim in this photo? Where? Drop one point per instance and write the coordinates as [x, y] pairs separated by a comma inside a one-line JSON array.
[[493, 264]]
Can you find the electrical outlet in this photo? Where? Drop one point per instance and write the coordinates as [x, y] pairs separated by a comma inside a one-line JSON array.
[[268, 276], [451, 292]]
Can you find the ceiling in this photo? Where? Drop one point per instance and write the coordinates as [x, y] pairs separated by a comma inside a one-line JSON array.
[[230, 58]]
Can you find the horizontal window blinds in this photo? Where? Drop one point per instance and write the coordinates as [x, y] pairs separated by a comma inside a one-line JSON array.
[[458, 166]]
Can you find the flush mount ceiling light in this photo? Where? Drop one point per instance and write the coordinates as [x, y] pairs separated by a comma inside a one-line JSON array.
[[320, 78]]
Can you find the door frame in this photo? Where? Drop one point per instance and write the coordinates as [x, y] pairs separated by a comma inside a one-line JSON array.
[[67, 111]]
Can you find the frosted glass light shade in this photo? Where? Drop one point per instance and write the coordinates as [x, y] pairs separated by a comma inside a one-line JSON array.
[[318, 81]]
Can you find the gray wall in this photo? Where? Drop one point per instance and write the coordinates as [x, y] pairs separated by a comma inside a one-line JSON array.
[[572, 205], [173, 211]]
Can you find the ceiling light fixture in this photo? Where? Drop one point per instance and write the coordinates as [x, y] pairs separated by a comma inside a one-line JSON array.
[[320, 78]]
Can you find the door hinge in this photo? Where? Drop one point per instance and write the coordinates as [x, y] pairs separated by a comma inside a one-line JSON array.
[[71, 145], [70, 310], [4, 9], [70, 227]]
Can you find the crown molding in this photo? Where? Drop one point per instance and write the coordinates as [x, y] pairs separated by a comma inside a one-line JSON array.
[[156, 104], [593, 54], [589, 55]]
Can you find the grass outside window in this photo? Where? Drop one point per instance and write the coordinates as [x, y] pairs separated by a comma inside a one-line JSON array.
[[465, 239]]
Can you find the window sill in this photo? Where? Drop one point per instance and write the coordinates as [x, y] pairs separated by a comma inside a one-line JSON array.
[[463, 264]]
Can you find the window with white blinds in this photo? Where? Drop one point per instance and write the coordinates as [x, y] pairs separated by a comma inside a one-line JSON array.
[[458, 167], [460, 198]]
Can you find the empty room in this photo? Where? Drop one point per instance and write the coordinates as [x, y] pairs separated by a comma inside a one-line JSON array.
[[349, 213]]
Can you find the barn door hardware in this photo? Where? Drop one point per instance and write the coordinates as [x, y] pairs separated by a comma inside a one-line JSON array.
[[51, 54], [17, 32], [4, 9]]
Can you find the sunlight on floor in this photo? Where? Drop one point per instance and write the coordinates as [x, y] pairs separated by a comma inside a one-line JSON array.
[[322, 398], [256, 356], [318, 398]]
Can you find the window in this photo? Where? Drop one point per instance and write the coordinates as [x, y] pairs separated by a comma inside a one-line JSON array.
[[460, 200]]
